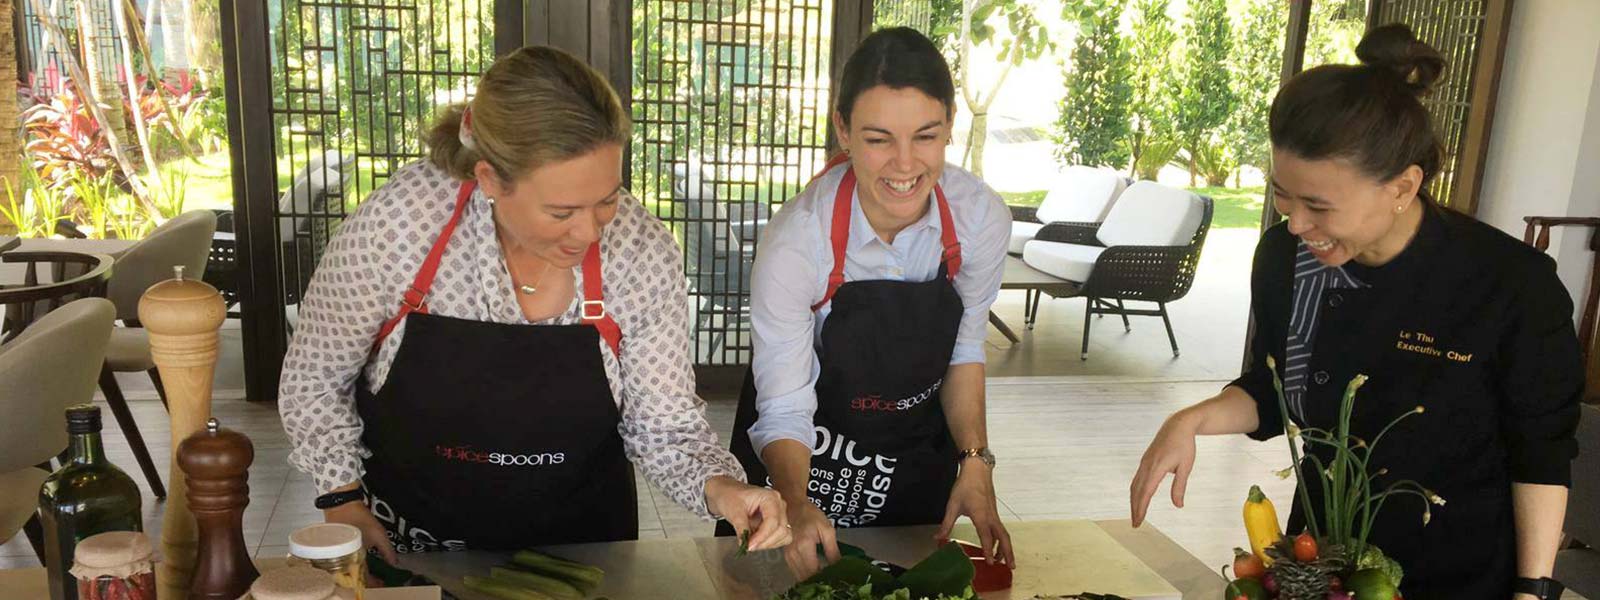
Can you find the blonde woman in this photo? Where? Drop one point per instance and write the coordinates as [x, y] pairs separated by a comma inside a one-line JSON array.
[[497, 337]]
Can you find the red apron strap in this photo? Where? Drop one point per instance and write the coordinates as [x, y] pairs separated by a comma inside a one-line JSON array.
[[841, 235], [415, 298], [594, 305], [947, 234]]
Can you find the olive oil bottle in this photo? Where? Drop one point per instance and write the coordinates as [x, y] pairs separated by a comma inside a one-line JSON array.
[[86, 496]]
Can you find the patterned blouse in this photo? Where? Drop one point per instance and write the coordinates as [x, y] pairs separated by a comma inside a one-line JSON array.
[[358, 285]]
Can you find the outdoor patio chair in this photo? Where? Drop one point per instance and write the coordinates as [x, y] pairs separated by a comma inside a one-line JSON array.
[[185, 240], [1146, 250], [309, 213], [1079, 196], [719, 252], [1578, 564], [48, 368]]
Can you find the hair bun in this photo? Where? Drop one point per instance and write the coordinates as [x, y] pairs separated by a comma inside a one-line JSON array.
[[1393, 48]]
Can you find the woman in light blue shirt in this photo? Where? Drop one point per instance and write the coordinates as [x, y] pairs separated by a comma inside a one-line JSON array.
[[870, 299]]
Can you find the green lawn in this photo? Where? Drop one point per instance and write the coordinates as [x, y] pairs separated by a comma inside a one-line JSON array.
[[208, 184], [1236, 208]]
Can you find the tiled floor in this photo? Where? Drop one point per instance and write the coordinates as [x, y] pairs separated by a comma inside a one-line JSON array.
[[1067, 448]]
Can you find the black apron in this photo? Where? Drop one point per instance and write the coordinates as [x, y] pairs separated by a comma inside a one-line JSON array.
[[883, 454], [496, 436]]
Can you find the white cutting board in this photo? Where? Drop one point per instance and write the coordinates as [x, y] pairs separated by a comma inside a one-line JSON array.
[[1071, 557]]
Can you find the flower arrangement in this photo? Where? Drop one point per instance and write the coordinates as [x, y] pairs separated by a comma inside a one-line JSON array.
[[1332, 559]]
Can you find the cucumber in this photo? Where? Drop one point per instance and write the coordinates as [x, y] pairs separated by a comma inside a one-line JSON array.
[[501, 590], [550, 586], [584, 577]]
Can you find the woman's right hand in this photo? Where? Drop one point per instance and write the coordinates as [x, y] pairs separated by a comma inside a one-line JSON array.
[[373, 534], [1172, 451], [811, 527]]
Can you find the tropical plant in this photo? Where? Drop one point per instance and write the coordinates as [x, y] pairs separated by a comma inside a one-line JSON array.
[[1257, 66], [1214, 161], [1158, 152], [1207, 99], [64, 139], [32, 207], [1092, 128], [1155, 85], [109, 213]]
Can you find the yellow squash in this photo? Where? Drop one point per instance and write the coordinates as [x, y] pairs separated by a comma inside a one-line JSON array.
[[1260, 523]]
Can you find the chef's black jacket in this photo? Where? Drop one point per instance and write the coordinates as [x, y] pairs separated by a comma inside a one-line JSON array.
[[1472, 325]]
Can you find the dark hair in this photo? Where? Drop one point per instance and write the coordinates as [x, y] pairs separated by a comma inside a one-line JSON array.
[[898, 57], [1370, 114]]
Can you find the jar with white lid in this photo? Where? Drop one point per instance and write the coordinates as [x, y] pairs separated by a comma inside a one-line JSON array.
[[334, 548]]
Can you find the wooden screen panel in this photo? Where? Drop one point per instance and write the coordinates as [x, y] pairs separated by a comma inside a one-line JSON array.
[[1471, 35]]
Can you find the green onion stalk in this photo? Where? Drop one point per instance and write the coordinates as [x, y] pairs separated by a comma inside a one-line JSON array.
[[1349, 504]]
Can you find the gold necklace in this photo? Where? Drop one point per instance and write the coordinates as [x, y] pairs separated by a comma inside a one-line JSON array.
[[527, 289]]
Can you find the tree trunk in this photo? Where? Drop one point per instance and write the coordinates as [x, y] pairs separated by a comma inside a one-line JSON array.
[[979, 135], [204, 18], [174, 38], [94, 18], [1192, 180], [10, 145]]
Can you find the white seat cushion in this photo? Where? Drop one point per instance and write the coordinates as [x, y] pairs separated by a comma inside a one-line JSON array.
[[1072, 262], [1151, 214], [1081, 194], [129, 350], [1021, 232]]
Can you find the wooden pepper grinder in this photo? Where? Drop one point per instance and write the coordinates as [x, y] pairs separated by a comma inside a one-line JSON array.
[[182, 317], [217, 462]]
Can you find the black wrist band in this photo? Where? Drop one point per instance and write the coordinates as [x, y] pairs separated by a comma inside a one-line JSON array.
[[332, 499]]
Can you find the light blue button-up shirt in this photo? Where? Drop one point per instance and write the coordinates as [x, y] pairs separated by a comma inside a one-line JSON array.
[[791, 274]]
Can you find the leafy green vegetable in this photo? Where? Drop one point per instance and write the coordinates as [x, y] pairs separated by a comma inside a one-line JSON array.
[[944, 575], [1373, 558]]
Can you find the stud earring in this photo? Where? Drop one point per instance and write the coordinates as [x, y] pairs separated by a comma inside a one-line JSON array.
[[1399, 209]]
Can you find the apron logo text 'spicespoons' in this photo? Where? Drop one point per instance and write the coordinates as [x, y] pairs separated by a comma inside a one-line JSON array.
[[503, 459]]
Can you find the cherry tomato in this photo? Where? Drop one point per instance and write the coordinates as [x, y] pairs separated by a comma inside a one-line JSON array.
[[1305, 548], [1247, 565]]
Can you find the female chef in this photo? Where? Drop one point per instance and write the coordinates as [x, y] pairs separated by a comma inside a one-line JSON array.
[[1371, 276], [870, 297], [497, 337]]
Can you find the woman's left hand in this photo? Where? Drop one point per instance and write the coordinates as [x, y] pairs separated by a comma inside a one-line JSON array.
[[759, 510], [973, 496]]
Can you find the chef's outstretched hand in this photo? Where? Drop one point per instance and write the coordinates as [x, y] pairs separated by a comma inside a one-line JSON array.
[[1172, 451], [973, 496], [757, 510]]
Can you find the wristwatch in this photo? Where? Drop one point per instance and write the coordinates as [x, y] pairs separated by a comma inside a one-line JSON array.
[[332, 499], [982, 454], [1543, 588]]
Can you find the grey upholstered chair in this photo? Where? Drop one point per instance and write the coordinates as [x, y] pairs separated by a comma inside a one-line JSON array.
[[185, 241], [50, 366]]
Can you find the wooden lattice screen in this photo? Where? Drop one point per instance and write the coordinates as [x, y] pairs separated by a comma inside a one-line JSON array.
[[1471, 35]]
